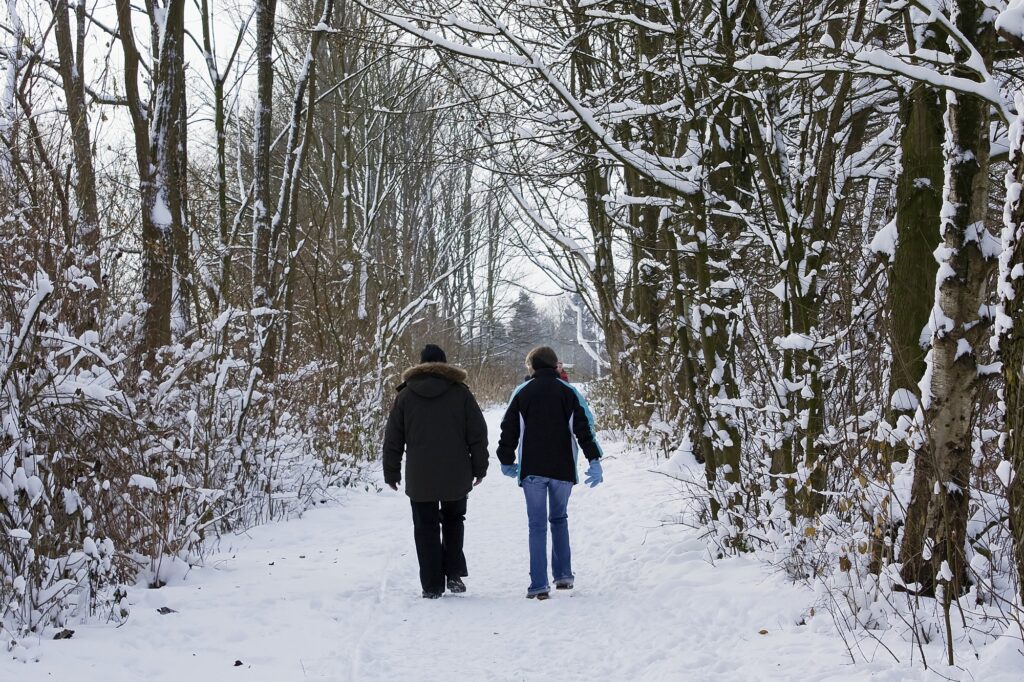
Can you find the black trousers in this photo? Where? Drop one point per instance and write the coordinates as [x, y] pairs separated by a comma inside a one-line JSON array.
[[439, 528]]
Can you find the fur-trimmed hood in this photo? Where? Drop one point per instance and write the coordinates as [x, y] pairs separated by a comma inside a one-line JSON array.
[[431, 379], [454, 374]]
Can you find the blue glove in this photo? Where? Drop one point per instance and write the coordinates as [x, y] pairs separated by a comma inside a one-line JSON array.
[[594, 473], [509, 470]]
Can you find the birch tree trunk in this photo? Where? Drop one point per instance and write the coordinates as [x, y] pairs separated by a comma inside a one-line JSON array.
[[1010, 326], [933, 551], [1011, 329]]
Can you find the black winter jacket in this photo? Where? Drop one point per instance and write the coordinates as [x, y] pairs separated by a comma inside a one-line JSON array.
[[436, 421], [544, 418]]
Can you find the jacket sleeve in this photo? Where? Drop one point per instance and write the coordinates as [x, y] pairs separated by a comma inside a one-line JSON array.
[[394, 443], [584, 428], [476, 436], [509, 440]]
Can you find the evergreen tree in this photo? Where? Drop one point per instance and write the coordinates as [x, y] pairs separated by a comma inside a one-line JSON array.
[[526, 328]]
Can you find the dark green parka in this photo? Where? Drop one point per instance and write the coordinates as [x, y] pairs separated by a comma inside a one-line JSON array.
[[436, 422]]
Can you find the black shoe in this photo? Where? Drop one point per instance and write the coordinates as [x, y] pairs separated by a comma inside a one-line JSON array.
[[540, 596], [456, 586], [430, 594], [563, 584]]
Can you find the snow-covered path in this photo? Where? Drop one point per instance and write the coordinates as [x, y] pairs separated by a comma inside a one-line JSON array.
[[335, 596]]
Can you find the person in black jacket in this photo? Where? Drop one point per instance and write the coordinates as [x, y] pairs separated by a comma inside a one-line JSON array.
[[437, 423], [546, 419]]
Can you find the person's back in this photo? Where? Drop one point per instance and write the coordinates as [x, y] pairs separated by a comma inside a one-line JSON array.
[[435, 407], [545, 420], [436, 422], [548, 417]]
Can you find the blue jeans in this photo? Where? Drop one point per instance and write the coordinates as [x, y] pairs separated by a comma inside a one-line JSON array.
[[540, 493]]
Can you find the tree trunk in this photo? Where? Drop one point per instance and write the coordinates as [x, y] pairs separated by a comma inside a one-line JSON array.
[[646, 278], [161, 160], [912, 276], [942, 485], [1010, 331], [83, 306], [262, 134], [912, 283]]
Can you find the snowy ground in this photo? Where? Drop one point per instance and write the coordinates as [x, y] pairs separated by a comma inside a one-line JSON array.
[[335, 596]]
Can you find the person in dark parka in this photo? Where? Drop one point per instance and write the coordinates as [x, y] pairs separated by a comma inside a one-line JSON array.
[[436, 422]]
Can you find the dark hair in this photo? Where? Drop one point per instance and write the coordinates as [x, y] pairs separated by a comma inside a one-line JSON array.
[[542, 357], [432, 353]]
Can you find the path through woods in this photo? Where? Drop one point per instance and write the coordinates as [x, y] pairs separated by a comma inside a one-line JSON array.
[[334, 596]]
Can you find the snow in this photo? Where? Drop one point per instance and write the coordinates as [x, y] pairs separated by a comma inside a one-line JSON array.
[[335, 596], [630, 18], [963, 348], [144, 482], [459, 48], [1005, 472], [1000, 660], [161, 213], [884, 242], [904, 400], [89, 547], [469, 26], [1011, 19], [797, 341]]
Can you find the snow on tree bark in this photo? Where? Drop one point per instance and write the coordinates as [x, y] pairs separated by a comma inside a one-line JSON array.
[[936, 530]]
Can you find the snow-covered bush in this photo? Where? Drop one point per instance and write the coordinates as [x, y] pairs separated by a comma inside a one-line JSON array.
[[58, 403], [107, 478]]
